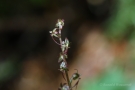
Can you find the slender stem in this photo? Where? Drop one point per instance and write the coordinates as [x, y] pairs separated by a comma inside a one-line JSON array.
[[67, 76], [55, 41], [66, 72]]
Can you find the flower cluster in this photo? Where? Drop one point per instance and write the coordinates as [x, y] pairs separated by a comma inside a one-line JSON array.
[[56, 32], [64, 45]]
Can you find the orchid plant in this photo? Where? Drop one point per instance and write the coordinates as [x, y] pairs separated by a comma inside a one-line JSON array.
[[64, 45]]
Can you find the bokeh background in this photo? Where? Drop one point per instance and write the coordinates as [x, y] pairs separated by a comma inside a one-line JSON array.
[[102, 36]]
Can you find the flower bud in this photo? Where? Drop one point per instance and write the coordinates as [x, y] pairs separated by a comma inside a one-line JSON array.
[[75, 76]]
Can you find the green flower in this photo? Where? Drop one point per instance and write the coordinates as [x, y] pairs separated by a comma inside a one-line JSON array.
[[54, 32], [65, 45], [75, 76], [62, 57], [60, 23]]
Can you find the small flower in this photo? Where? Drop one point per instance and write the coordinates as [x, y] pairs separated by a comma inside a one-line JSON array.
[[65, 87], [60, 23], [66, 43], [63, 65], [54, 32], [75, 76], [63, 46], [61, 57]]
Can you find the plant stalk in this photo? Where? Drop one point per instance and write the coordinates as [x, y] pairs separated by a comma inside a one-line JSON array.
[[66, 71], [67, 76]]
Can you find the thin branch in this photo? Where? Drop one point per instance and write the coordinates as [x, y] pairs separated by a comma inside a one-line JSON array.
[[67, 76], [66, 72], [55, 41]]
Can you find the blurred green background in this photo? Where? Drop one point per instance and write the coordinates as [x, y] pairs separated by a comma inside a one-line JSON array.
[[102, 36]]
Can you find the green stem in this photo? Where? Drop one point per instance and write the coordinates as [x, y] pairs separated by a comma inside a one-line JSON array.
[[66, 71], [67, 76]]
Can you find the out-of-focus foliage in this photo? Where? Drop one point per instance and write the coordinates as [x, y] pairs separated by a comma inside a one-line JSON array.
[[7, 70], [24, 26], [113, 79], [122, 23]]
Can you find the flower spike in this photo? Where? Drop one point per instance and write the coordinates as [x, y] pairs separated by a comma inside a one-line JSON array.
[[64, 45]]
